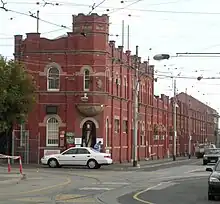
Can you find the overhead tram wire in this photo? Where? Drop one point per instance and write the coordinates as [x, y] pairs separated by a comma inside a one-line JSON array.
[[3, 7], [61, 3], [198, 54], [43, 63], [123, 8]]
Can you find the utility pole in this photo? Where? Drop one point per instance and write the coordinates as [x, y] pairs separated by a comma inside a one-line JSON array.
[[38, 21], [174, 120], [135, 110]]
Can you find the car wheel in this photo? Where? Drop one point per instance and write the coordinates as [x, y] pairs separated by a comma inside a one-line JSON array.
[[53, 163], [92, 164], [211, 197], [98, 166]]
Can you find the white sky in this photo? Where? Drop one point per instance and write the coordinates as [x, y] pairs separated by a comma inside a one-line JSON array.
[[183, 26]]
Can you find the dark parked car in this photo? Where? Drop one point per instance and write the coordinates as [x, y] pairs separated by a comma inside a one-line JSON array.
[[214, 181], [211, 156]]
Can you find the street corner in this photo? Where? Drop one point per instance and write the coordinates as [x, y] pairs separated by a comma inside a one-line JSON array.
[[175, 191]]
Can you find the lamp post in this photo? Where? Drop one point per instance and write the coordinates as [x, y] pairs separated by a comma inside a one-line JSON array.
[[160, 57], [135, 109]]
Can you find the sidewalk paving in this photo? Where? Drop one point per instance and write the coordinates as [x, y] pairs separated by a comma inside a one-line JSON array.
[[148, 163], [115, 166]]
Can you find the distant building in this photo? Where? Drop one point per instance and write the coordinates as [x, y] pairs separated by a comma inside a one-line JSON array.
[[85, 93]]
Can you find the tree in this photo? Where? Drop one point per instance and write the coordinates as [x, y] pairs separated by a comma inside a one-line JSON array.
[[17, 94]]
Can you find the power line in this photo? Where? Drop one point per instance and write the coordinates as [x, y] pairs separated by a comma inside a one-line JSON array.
[[127, 6], [29, 15], [61, 3]]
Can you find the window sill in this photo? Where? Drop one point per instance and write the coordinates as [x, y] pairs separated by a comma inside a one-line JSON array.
[[49, 145], [53, 90]]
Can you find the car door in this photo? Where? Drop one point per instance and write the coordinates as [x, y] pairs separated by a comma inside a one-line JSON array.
[[82, 156], [68, 157]]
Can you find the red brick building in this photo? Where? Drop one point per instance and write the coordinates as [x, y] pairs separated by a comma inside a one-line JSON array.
[[85, 89]]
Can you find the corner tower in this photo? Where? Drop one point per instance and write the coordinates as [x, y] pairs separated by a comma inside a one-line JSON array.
[[92, 31]]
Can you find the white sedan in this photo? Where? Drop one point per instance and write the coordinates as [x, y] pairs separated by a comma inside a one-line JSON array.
[[78, 156]]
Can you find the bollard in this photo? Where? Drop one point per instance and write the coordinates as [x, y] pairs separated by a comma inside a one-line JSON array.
[[20, 166], [9, 165]]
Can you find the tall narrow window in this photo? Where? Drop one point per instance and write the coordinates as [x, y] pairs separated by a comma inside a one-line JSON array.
[[86, 80], [107, 75], [117, 85], [107, 143], [125, 126], [52, 132], [117, 125], [143, 133], [53, 79], [125, 87]]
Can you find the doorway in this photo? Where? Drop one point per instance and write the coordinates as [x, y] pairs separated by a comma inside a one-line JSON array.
[[88, 134]]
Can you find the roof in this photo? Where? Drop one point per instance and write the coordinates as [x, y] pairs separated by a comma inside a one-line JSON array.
[[182, 97], [61, 36]]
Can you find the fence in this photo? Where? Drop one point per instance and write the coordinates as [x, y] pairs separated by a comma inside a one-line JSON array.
[[25, 146]]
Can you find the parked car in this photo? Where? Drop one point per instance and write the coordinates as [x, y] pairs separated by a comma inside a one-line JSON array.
[[78, 156], [214, 181], [200, 149], [211, 156]]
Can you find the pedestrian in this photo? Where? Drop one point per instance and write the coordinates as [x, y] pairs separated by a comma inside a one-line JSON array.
[[97, 146]]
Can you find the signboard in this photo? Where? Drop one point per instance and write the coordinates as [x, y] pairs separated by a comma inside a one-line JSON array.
[[50, 152], [78, 142]]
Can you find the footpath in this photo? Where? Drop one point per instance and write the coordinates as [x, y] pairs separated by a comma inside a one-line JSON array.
[[150, 163], [120, 166]]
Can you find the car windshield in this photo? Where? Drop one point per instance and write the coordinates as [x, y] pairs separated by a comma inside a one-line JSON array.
[[212, 151]]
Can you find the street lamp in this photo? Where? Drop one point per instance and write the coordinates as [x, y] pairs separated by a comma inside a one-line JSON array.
[[160, 57]]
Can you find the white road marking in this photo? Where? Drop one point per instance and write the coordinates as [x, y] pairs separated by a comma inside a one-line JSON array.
[[165, 185], [114, 183], [95, 189], [194, 170]]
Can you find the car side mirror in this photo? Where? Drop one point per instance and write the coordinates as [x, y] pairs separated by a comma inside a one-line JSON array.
[[209, 169]]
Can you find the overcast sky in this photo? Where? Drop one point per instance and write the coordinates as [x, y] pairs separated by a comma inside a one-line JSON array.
[[165, 26]]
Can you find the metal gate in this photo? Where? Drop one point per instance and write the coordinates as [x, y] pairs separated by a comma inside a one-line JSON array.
[[20, 144]]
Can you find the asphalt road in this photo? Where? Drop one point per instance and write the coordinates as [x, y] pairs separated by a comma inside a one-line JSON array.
[[190, 191], [59, 186]]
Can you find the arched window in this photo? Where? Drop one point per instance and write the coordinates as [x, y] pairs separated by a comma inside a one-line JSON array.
[[52, 132], [86, 80], [53, 79]]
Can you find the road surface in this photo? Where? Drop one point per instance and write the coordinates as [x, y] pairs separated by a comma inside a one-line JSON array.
[[58, 186], [191, 188]]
